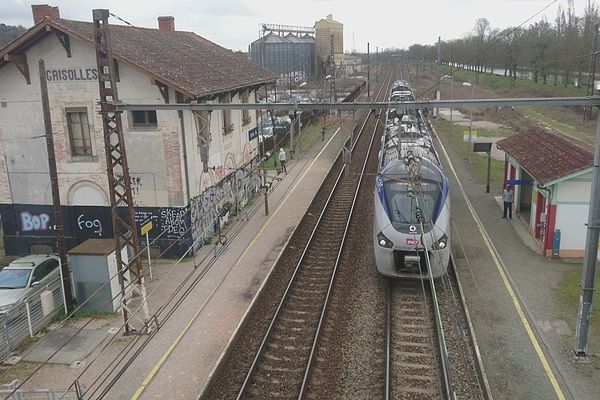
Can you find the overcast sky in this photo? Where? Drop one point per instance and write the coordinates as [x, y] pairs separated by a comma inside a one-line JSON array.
[[235, 23]]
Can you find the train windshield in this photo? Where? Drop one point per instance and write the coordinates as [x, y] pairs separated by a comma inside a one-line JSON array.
[[403, 203]]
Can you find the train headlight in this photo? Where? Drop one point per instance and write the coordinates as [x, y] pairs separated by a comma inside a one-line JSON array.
[[441, 243], [383, 241]]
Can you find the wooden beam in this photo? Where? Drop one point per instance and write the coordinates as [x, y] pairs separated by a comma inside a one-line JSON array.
[[63, 38], [20, 61], [164, 90]]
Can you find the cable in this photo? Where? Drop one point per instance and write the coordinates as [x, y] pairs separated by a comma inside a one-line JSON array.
[[498, 40]]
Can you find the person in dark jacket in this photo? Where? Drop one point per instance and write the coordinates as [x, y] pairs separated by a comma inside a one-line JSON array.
[[508, 196]]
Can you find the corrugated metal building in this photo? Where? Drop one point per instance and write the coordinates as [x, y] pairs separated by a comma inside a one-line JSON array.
[[287, 56]]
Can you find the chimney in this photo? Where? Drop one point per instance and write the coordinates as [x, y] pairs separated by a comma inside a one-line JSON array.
[[40, 11], [166, 23], [329, 17]]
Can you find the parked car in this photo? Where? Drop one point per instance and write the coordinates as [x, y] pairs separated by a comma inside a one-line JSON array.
[[26, 275]]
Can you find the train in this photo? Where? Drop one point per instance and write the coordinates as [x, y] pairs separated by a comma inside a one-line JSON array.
[[411, 228]]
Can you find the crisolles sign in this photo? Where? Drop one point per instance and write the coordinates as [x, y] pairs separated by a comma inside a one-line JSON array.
[[71, 74]]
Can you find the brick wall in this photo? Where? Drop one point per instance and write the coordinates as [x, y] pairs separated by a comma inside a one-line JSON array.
[[172, 156], [40, 11]]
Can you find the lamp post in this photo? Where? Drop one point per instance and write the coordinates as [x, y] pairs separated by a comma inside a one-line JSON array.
[[297, 120], [469, 84]]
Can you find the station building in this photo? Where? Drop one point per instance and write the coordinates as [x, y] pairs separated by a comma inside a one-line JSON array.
[[553, 176], [188, 169]]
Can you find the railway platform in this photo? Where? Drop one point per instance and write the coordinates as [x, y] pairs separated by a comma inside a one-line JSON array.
[[525, 329], [177, 362]]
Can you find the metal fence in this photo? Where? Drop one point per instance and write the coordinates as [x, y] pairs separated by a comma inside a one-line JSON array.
[[29, 316], [6, 392]]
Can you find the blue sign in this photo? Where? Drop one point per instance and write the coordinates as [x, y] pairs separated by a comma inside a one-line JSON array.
[[518, 182], [252, 133]]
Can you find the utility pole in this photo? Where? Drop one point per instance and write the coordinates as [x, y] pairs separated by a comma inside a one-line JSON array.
[[58, 219], [266, 189], [333, 71], [125, 230], [439, 76], [590, 258], [377, 64], [587, 111], [368, 73]]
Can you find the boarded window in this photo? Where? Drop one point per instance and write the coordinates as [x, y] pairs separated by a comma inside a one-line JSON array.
[[144, 119], [227, 124], [79, 132]]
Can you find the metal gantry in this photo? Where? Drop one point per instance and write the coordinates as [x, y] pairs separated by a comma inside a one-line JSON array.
[[593, 226], [353, 106], [119, 183]]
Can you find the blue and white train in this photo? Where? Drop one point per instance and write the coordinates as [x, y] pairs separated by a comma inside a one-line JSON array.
[[411, 229]]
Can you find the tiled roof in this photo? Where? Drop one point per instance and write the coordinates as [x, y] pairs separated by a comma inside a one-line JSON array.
[[548, 156], [182, 60]]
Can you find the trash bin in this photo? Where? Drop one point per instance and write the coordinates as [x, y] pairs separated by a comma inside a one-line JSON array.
[[556, 243]]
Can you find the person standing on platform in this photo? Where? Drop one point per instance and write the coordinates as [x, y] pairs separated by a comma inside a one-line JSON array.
[[508, 196], [283, 160]]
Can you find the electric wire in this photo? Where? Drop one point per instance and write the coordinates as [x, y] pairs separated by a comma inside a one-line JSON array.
[[137, 255], [498, 40]]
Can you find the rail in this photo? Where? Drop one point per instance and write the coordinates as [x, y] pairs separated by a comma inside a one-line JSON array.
[[309, 272]]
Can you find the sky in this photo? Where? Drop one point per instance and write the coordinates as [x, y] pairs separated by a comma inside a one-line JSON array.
[[234, 24]]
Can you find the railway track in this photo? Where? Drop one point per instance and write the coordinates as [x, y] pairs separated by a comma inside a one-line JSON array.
[[327, 339], [412, 350], [282, 365]]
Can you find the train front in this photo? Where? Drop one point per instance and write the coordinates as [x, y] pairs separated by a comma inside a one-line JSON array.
[[411, 230]]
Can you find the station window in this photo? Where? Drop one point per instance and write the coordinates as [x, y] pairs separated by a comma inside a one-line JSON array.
[[144, 119], [79, 132], [227, 124]]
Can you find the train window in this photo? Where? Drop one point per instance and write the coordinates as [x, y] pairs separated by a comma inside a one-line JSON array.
[[402, 204]]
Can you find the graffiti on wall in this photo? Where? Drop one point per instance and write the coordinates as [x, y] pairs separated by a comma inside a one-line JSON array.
[[89, 223], [213, 208], [34, 222], [137, 185]]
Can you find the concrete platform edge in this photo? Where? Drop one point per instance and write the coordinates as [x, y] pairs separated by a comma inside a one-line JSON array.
[[234, 337]]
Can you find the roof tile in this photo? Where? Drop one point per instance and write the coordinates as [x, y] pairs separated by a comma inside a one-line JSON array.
[[548, 156], [184, 60]]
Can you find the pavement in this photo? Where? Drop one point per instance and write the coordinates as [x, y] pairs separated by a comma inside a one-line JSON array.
[[526, 334]]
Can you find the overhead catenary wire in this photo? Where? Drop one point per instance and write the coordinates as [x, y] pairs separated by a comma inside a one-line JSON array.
[[498, 40]]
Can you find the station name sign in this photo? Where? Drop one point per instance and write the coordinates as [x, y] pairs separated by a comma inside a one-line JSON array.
[[71, 74]]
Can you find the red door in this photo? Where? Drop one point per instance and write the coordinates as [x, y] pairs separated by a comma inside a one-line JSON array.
[[540, 208]]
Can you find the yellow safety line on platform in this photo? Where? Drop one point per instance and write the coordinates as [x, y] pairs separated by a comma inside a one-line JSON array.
[[501, 270], [168, 352]]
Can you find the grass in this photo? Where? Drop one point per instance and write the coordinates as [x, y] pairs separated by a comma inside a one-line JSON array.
[[566, 120], [10, 373], [570, 291], [85, 314], [478, 162], [503, 84], [310, 135], [557, 125]]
